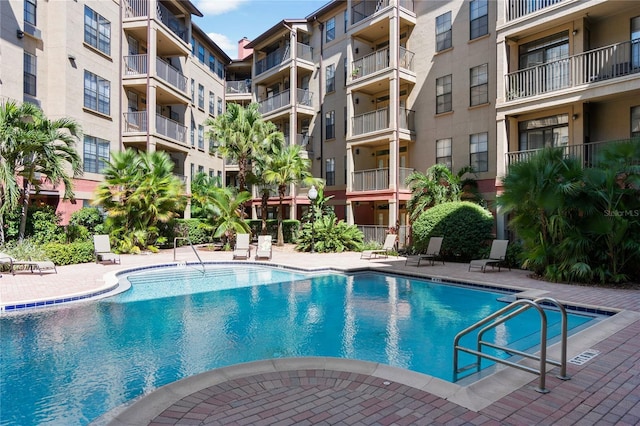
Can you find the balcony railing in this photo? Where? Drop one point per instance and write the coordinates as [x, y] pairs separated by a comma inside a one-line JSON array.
[[305, 97], [371, 63], [273, 59], [378, 233], [407, 119], [366, 8], [595, 65], [379, 120], [171, 75], [274, 102], [135, 122], [140, 8], [378, 179], [302, 139], [135, 65], [519, 8], [238, 87], [171, 129], [304, 52], [587, 153]]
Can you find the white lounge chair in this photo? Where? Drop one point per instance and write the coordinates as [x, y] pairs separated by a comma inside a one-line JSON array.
[[432, 253], [497, 255], [40, 265], [264, 247], [243, 248], [387, 247], [102, 249]]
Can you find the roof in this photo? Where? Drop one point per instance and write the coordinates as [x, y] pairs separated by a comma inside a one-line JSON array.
[[191, 8], [324, 9], [285, 23]]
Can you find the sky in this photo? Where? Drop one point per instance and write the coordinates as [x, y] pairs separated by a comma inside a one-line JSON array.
[[227, 21]]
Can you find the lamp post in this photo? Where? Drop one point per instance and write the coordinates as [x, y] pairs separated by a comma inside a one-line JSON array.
[[313, 194]]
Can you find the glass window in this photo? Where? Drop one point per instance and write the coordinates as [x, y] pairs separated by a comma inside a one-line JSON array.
[[550, 49], [220, 69], [443, 94], [331, 78], [200, 136], [330, 29], [635, 121], [29, 74], [635, 42], [479, 152], [479, 83], [212, 63], [443, 32], [479, 18], [212, 103], [30, 12], [219, 106], [443, 152], [201, 53], [330, 171], [193, 46], [96, 154], [97, 93], [200, 96], [193, 135], [544, 132], [330, 124], [97, 31], [346, 20]]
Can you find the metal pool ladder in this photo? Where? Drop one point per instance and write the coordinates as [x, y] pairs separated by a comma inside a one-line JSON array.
[[175, 240], [513, 309]]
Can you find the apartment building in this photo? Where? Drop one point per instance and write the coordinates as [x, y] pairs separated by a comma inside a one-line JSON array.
[[133, 73]]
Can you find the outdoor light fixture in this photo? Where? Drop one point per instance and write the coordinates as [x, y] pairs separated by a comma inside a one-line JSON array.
[[313, 194]]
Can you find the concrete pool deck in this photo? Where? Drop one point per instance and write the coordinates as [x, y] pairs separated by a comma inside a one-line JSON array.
[[603, 390]]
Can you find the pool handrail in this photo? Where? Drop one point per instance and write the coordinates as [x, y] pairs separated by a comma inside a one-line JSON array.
[[175, 240]]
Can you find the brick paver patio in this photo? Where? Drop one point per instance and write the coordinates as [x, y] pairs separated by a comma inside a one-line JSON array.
[[602, 391]]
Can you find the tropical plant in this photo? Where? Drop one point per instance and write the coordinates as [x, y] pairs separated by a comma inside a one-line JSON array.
[[138, 192], [89, 217], [329, 235], [224, 212], [38, 150], [286, 168], [201, 185]]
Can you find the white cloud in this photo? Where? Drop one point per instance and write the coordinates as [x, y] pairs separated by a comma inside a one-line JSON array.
[[219, 7], [229, 46]]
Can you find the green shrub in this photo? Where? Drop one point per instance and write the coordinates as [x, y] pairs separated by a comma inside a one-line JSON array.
[[69, 254], [45, 225], [289, 228], [465, 226], [26, 250], [90, 218], [329, 236], [77, 233], [196, 230]]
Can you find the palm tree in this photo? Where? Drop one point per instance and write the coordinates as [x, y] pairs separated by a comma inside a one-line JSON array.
[[33, 146], [139, 191], [287, 168], [224, 210], [201, 186]]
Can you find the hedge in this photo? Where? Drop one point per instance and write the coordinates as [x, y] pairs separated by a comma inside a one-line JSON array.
[[69, 254], [290, 228]]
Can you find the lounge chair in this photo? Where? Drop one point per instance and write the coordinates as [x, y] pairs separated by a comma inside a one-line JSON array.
[[497, 255], [243, 249], [432, 253], [102, 249], [40, 265], [264, 247], [387, 247]]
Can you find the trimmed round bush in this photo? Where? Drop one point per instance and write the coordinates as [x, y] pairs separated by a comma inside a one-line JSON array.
[[465, 226]]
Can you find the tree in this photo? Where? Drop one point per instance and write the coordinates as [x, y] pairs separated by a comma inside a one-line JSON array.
[[139, 191], [38, 150], [201, 186], [287, 168], [224, 210]]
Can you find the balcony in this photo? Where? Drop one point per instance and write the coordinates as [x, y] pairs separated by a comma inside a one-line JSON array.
[[171, 75], [140, 9], [272, 60], [304, 52], [302, 139], [239, 87], [587, 153], [379, 60], [367, 8], [377, 179], [596, 65], [519, 8], [135, 122], [379, 120], [304, 98], [274, 102]]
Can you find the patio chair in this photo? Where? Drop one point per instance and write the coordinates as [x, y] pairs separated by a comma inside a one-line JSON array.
[[264, 247], [102, 249], [243, 248], [387, 247], [40, 265], [497, 255], [432, 253]]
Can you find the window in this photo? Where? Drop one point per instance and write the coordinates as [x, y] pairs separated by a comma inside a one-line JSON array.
[[635, 121], [200, 96], [443, 32], [331, 78], [200, 136], [219, 106], [544, 132], [220, 69], [30, 12], [479, 18], [212, 63], [330, 124], [443, 152], [479, 152], [97, 93], [193, 171], [346, 20], [96, 154], [635, 43], [193, 46], [97, 31], [201, 53], [330, 171], [193, 133], [212, 103], [200, 169], [193, 90], [330, 29], [29, 74], [542, 51], [443, 94], [479, 85], [344, 63]]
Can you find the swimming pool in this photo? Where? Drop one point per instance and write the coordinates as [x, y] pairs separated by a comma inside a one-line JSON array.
[[69, 365]]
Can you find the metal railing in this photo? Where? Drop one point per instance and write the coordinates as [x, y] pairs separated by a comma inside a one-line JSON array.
[[135, 65], [406, 59], [135, 122], [378, 233], [272, 60], [371, 121], [370, 63], [600, 64], [587, 153], [171, 75], [304, 52], [171, 129], [518, 8], [304, 97], [274, 102], [378, 179], [136, 8], [366, 8], [302, 139], [238, 86], [140, 8], [175, 241], [503, 315]]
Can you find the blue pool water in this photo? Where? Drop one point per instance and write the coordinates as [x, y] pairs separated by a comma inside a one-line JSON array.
[[70, 365]]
